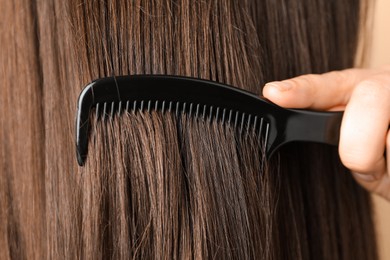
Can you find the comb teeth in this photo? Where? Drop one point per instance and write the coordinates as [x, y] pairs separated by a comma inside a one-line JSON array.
[[241, 121]]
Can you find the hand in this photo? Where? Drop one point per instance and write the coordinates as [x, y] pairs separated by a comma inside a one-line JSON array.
[[364, 94]]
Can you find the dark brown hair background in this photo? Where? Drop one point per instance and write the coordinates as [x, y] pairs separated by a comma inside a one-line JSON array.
[[158, 187]]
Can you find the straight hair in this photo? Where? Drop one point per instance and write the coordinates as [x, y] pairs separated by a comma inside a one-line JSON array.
[[154, 185]]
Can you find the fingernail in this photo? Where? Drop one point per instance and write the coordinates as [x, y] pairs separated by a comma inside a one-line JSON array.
[[280, 85], [366, 177]]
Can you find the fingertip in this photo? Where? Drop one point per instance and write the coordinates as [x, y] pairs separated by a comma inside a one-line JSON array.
[[280, 86], [271, 92], [279, 92], [274, 89]]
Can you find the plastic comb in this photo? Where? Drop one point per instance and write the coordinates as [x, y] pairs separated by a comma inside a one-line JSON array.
[[206, 100]]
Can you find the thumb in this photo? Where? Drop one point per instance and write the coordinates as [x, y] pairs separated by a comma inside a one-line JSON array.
[[329, 91]]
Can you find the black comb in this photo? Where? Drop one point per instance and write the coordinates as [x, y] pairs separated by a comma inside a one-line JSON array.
[[206, 99]]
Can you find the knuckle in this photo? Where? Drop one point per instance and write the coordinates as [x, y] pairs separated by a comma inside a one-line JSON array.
[[340, 77], [305, 79], [345, 78], [309, 81], [296, 82], [292, 82]]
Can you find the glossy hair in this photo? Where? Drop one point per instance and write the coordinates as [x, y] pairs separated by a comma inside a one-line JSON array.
[[155, 186]]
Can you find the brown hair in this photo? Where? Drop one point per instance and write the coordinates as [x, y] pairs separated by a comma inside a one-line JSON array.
[[157, 186]]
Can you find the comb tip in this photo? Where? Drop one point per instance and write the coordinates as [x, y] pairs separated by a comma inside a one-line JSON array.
[[80, 158]]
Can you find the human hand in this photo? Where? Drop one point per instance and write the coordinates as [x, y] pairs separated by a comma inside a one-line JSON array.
[[364, 94]]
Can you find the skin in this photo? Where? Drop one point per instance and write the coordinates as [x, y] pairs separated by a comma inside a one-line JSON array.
[[364, 95]]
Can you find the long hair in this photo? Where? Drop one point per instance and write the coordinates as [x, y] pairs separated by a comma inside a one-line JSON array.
[[158, 186]]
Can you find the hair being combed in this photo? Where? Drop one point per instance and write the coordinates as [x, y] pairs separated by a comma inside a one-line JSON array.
[[157, 186]]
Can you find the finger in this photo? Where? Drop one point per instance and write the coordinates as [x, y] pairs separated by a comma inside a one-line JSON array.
[[381, 184], [323, 92], [364, 127]]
